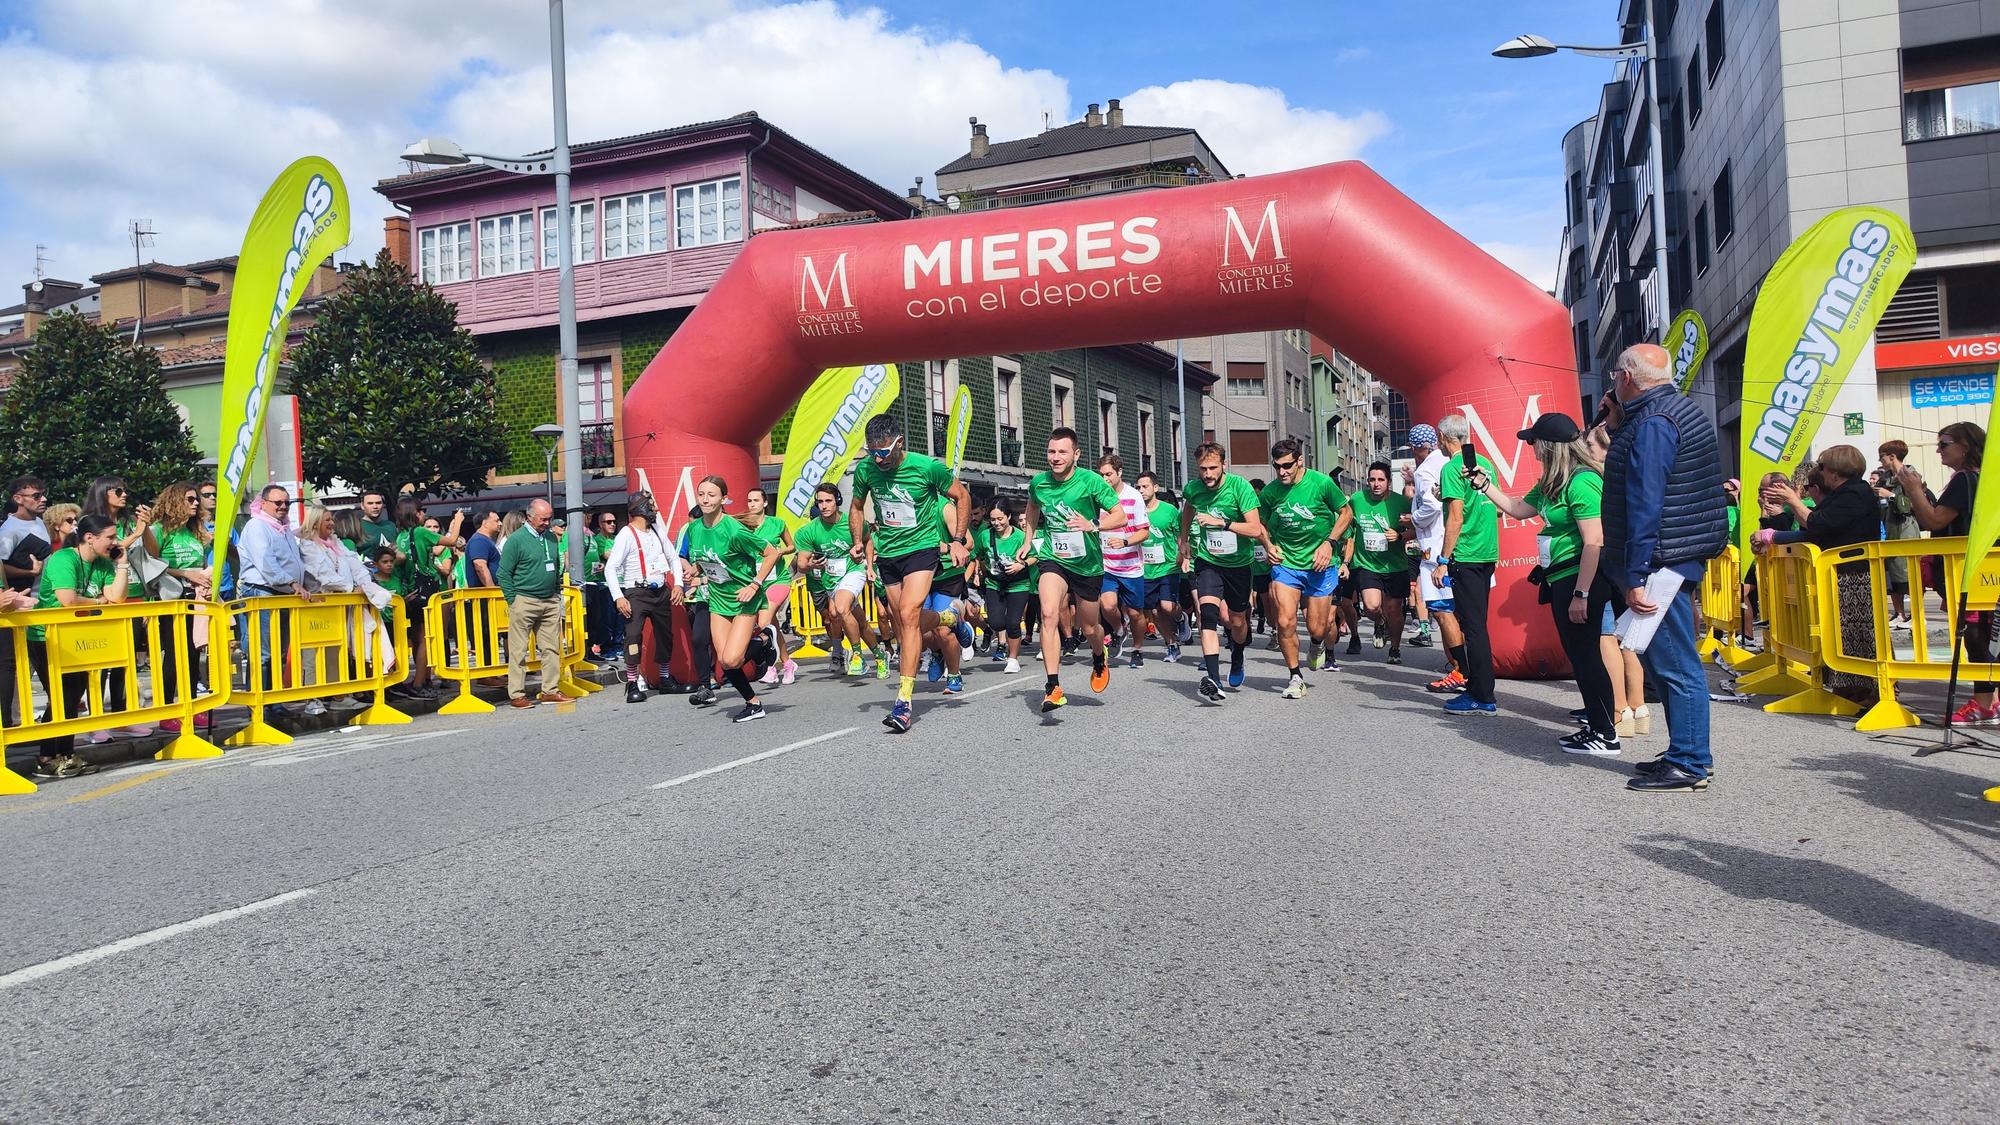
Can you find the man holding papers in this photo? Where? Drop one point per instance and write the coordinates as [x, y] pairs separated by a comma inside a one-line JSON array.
[[1663, 520]]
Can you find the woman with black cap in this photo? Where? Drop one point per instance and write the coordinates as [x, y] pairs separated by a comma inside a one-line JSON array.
[[1568, 498]]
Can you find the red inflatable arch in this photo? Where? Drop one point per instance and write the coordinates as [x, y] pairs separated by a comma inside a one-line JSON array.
[[1332, 249]]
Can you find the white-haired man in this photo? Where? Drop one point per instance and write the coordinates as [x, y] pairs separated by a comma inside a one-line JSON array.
[[1663, 511]]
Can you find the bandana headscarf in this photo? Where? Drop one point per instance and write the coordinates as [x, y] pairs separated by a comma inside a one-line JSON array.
[[1421, 434]]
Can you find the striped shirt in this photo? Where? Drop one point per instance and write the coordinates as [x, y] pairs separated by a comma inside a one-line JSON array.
[[1128, 561]]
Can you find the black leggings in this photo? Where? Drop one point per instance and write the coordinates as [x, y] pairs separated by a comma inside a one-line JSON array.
[[1586, 658], [701, 649], [1004, 612]]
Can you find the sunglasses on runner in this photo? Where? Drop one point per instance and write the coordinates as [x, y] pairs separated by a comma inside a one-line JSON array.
[[880, 454], [1285, 466]]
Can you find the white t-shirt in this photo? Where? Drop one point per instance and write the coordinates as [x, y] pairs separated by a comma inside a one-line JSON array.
[[1426, 510], [1128, 561]]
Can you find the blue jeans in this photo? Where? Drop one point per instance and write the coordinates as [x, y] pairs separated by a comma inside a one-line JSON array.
[[264, 633], [1675, 665]]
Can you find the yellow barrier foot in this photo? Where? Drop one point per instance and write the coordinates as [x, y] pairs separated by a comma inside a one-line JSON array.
[[258, 733], [465, 703], [1813, 701], [1772, 681], [1708, 647], [380, 714], [1993, 794], [1888, 715], [12, 783], [1739, 658], [187, 745], [1753, 662]]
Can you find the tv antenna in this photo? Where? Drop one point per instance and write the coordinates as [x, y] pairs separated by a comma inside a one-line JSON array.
[[41, 260], [140, 231]]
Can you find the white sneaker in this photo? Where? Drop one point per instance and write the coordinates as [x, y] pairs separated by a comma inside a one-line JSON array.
[[315, 707], [791, 672], [770, 675], [1012, 667], [1296, 689]]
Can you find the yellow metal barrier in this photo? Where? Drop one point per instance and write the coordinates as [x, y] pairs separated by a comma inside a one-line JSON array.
[[1721, 602], [321, 645], [808, 623], [1788, 587], [478, 623], [1924, 661], [89, 641]]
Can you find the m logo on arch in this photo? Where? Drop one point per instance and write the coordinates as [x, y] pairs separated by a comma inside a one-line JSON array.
[[1253, 260], [826, 302]]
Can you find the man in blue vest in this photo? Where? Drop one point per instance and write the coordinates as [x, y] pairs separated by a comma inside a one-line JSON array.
[[1664, 518]]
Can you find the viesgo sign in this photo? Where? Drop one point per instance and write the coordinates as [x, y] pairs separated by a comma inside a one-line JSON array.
[[1937, 353]]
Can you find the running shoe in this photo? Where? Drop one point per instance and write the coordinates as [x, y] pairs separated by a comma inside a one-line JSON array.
[[1013, 667], [1381, 638], [1421, 640], [1588, 741], [1210, 690], [1054, 699], [954, 684], [750, 712], [1972, 714], [1296, 689], [899, 717], [703, 696], [881, 667], [791, 672], [1236, 667], [965, 638], [1318, 661], [933, 667], [855, 667], [1395, 656], [1466, 705], [1173, 654], [1113, 643], [1452, 682], [1138, 659], [1354, 644], [1100, 671], [770, 675]]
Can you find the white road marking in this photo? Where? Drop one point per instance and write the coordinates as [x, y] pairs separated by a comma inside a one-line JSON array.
[[699, 774], [125, 945], [314, 752], [984, 690]]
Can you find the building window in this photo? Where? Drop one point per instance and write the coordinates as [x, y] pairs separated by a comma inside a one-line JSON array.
[[1725, 208], [1693, 91], [1062, 395], [1701, 241], [1954, 111], [635, 225], [507, 244], [1575, 198], [708, 214], [1246, 388], [1107, 422], [596, 410], [582, 234], [1713, 38], [1007, 409], [1674, 141], [444, 254], [1146, 435], [775, 202]]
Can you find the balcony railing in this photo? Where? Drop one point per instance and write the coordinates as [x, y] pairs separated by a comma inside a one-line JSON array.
[[600, 445], [1010, 448], [1075, 188]]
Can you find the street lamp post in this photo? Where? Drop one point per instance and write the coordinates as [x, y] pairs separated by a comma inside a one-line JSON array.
[[436, 150], [1648, 53], [549, 434]]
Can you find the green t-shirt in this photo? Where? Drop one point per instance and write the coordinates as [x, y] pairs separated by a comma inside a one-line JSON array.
[[1161, 552], [997, 555], [1374, 520], [182, 549], [1084, 494], [908, 503], [947, 569], [419, 544], [1479, 530], [594, 553], [374, 534], [1301, 516], [1232, 499], [772, 531], [982, 543], [1582, 500], [66, 570], [831, 545], [728, 554]]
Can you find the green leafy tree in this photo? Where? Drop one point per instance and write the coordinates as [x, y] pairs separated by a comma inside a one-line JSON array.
[[86, 404], [391, 391]]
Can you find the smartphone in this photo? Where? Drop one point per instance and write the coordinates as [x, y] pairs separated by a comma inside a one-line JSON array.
[[1471, 459]]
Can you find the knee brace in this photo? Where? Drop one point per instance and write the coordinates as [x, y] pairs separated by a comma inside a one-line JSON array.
[[1211, 615]]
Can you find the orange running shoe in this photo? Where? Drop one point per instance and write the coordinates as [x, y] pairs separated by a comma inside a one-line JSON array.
[[1100, 672], [1452, 682], [1054, 699]]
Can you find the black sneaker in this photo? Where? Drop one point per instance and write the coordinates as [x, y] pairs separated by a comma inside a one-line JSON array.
[[1138, 659], [751, 711], [1579, 715], [1577, 737], [634, 693], [1395, 656], [703, 696], [1647, 769], [1354, 644], [1592, 743], [1210, 690], [1669, 778], [1113, 643]]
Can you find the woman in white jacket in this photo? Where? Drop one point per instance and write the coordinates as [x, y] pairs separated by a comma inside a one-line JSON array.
[[332, 568]]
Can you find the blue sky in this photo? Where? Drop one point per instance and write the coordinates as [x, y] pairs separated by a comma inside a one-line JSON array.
[[182, 112]]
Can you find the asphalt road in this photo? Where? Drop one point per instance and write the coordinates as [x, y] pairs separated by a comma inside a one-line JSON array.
[[1348, 907]]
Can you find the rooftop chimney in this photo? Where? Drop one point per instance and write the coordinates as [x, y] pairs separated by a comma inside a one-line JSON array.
[[193, 295], [980, 147], [396, 239], [1116, 117], [916, 198], [1092, 118]]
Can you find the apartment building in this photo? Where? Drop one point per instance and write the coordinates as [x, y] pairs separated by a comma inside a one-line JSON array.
[[1773, 114], [655, 218], [1357, 415]]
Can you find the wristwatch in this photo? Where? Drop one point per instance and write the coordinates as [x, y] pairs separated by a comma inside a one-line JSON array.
[[1580, 595]]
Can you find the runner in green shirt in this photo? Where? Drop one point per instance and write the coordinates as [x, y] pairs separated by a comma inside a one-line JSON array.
[[1010, 581], [836, 581], [733, 563], [1305, 518], [1072, 506], [1161, 554], [1381, 566], [908, 493], [1220, 519]]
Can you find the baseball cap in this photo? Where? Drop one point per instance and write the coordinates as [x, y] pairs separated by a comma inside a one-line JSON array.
[[1421, 434], [1557, 428]]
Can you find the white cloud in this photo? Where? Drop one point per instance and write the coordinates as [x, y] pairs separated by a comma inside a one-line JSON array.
[[1535, 261], [1254, 129]]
